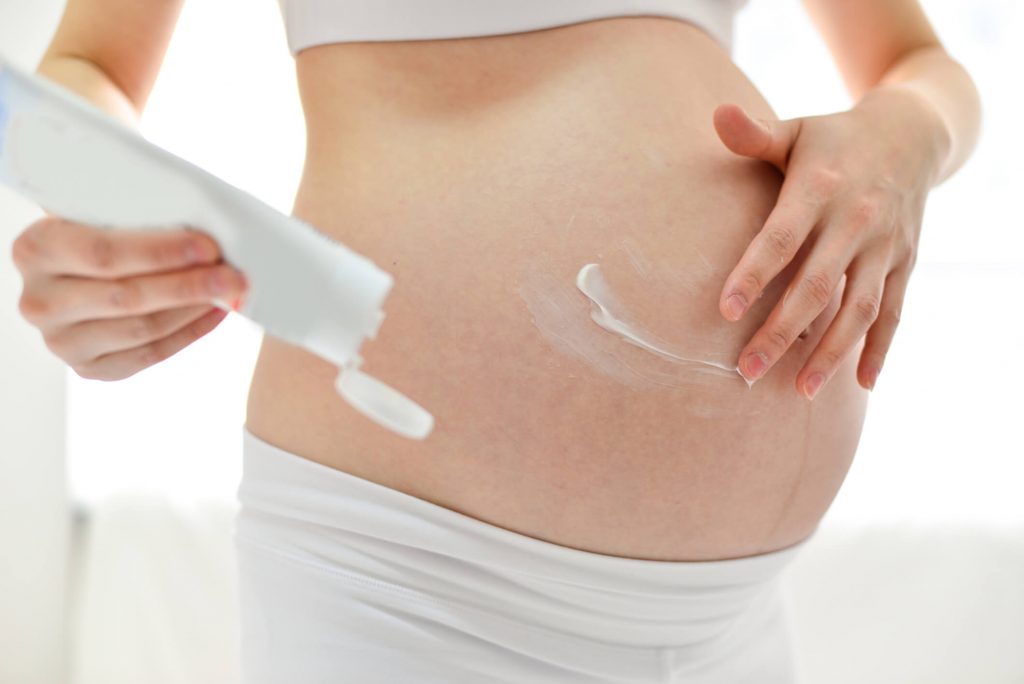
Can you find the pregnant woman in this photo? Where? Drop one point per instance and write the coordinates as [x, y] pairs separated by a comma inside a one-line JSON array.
[[644, 311]]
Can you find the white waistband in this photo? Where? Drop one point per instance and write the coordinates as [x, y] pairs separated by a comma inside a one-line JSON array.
[[310, 511]]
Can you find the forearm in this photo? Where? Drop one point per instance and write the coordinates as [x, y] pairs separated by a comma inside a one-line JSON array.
[[945, 104], [88, 80], [91, 82]]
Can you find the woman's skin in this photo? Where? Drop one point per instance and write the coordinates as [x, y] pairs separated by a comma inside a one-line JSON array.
[[483, 173]]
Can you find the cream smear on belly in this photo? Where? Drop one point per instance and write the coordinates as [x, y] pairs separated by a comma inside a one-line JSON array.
[[609, 313], [588, 322]]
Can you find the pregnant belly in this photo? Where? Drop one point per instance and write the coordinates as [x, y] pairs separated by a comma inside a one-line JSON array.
[[559, 216]]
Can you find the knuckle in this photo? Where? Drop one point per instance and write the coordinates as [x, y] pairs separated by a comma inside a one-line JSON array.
[[866, 307], [824, 181], [143, 328], [149, 356], [892, 255], [831, 357], [911, 258], [65, 347], [56, 344], [781, 240], [817, 288], [125, 296], [892, 316], [31, 307], [866, 213], [101, 252], [752, 282], [779, 338], [23, 251]]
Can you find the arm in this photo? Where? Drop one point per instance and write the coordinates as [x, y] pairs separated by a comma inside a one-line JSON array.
[[855, 184], [885, 46], [110, 51], [113, 303]]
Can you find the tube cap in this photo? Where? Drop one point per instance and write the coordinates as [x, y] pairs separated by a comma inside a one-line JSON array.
[[385, 405]]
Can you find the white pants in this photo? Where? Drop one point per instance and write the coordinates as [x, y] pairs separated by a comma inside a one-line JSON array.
[[345, 580]]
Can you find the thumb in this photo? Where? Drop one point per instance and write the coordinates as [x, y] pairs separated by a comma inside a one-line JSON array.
[[770, 140]]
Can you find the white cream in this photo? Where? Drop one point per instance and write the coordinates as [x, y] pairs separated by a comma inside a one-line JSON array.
[[608, 313], [617, 347], [559, 316]]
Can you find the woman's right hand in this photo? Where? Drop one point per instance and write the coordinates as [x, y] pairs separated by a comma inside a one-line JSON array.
[[111, 303]]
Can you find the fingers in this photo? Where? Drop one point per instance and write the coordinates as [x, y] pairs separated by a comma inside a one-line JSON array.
[[52, 245], [84, 341], [807, 296], [861, 303], [881, 333], [67, 299], [773, 248], [123, 364], [769, 140], [112, 302]]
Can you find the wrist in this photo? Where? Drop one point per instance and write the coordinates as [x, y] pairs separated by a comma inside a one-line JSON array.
[[908, 116]]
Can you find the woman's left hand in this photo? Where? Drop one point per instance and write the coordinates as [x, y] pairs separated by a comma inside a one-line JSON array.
[[855, 183]]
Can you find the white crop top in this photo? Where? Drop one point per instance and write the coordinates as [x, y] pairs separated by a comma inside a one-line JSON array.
[[315, 22]]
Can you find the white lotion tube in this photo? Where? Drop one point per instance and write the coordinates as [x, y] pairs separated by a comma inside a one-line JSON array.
[[80, 163]]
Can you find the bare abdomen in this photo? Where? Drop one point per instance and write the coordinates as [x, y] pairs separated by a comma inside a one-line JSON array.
[[484, 174]]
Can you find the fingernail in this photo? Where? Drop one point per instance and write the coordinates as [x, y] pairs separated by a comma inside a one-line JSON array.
[[192, 254], [757, 364], [813, 384], [236, 303], [736, 304]]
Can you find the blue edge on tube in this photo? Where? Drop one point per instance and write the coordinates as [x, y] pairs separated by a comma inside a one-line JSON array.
[[3, 108]]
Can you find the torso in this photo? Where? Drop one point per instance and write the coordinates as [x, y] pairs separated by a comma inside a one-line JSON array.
[[484, 172]]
